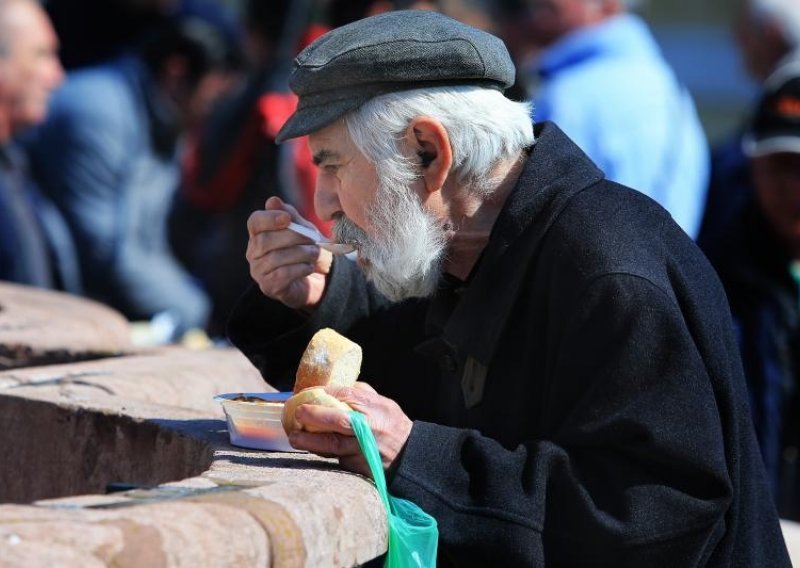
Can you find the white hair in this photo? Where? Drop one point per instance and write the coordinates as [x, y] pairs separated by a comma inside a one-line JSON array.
[[483, 125], [785, 14]]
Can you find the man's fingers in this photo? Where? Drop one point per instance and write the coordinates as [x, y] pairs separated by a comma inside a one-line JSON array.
[[317, 418], [277, 279], [267, 220], [282, 267], [359, 397], [365, 386], [293, 253], [268, 241], [325, 444], [275, 203]]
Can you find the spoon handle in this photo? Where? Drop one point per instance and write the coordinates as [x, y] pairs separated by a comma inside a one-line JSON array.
[[319, 240]]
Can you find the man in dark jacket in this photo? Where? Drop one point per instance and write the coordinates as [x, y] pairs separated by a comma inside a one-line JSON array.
[[559, 384], [756, 258]]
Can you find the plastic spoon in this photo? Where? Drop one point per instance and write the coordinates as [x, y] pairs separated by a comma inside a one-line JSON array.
[[319, 240]]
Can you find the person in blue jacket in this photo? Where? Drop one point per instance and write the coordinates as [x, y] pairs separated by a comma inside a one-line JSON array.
[[598, 73], [108, 156], [549, 364]]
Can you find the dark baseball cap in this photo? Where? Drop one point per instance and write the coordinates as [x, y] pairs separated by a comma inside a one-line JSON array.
[[393, 51], [775, 127]]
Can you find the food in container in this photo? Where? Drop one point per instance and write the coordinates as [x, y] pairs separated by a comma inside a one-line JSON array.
[[254, 420]]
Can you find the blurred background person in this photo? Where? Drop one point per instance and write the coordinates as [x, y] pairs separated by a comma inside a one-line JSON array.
[[94, 31], [758, 261], [767, 34], [108, 156], [35, 244], [232, 164], [595, 70], [749, 234]]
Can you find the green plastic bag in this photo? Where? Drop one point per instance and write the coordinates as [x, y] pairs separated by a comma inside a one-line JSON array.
[[413, 534]]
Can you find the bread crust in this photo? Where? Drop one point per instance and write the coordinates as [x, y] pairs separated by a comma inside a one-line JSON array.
[[329, 359]]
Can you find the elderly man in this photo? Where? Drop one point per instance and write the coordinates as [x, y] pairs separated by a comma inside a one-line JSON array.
[[35, 244], [553, 374]]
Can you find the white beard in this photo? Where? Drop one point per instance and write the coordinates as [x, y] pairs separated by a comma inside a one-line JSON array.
[[404, 260]]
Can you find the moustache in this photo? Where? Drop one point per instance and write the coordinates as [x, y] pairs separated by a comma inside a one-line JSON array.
[[345, 231]]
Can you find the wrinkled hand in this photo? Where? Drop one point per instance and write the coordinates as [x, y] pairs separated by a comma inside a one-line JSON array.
[[389, 424], [284, 264]]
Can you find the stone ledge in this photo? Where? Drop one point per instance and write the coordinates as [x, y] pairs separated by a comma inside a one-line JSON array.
[[73, 428], [127, 420], [286, 517], [39, 327]]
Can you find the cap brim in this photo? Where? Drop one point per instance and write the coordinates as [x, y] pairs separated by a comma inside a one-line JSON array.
[[756, 148], [312, 117]]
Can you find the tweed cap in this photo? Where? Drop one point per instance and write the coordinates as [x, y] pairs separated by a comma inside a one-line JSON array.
[[394, 51]]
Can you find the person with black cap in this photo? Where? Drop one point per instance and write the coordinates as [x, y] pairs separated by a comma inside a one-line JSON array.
[[549, 365], [758, 261], [767, 34]]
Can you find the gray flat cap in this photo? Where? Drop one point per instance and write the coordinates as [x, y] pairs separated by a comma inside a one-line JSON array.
[[394, 51]]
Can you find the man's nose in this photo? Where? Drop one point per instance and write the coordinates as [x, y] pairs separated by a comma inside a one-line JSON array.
[[326, 199]]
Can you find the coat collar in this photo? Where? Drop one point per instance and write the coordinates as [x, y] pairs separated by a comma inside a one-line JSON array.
[[555, 171]]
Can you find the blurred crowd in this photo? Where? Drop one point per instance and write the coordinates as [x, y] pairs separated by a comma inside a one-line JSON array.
[[136, 137]]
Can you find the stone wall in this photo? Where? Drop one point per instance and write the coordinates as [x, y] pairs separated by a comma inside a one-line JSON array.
[[83, 415]]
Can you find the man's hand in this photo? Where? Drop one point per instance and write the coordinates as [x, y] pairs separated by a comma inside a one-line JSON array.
[[388, 422], [284, 264]]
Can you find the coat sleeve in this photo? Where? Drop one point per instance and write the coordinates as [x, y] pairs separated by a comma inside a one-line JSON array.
[[631, 470]]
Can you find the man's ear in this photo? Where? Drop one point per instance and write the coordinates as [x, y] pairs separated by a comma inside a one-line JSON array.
[[429, 141]]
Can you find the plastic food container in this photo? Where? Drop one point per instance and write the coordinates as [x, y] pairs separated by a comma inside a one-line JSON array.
[[254, 420]]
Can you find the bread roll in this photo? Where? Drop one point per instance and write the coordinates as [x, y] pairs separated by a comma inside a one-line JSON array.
[[329, 359], [313, 395]]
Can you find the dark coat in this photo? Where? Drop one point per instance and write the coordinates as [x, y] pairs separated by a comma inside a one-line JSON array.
[[579, 401], [755, 268], [36, 246]]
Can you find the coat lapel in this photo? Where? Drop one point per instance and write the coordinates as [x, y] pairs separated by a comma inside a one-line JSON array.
[[556, 170]]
